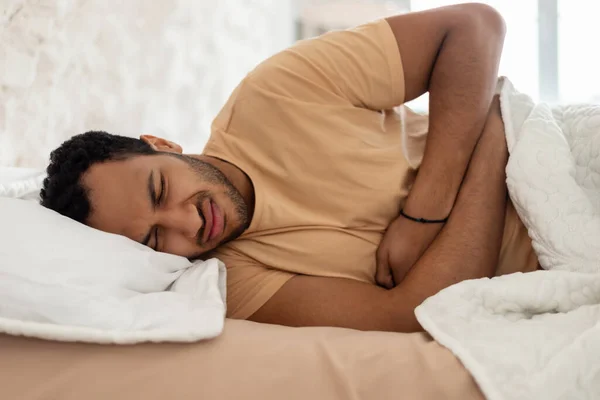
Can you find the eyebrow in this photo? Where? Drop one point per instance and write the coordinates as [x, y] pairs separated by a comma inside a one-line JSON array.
[[152, 198]]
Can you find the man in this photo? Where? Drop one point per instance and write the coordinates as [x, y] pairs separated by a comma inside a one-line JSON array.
[[307, 188]]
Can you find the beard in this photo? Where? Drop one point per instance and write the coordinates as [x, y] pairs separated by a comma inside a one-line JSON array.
[[206, 172]]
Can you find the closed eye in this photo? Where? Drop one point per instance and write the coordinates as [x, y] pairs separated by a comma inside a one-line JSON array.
[[162, 190], [159, 201], [156, 200]]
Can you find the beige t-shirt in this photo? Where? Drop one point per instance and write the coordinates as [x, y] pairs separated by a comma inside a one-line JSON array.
[[315, 129]]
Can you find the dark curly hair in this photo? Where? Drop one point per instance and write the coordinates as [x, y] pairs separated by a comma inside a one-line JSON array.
[[63, 191]]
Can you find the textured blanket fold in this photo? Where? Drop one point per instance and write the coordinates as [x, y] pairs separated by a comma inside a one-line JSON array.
[[537, 335]]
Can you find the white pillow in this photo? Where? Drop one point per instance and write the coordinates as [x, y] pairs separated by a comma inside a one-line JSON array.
[[62, 280], [21, 183]]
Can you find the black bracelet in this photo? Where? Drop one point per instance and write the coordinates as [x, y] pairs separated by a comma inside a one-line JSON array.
[[423, 220]]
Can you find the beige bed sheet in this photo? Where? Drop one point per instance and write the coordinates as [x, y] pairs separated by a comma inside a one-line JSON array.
[[249, 361]]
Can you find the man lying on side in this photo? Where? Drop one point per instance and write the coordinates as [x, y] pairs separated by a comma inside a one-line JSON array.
[[308, 187]]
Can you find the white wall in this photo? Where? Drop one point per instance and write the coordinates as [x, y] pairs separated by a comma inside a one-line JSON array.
[[162, 67]]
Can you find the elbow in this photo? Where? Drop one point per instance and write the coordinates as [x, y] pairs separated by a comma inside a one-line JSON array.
[[486, 19]]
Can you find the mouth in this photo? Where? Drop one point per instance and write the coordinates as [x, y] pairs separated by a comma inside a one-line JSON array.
[[213, 221]]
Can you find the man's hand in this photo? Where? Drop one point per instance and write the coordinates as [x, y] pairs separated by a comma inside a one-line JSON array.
[[402, 245]]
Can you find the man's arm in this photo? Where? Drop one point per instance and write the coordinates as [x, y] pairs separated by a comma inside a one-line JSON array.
[[467, 247], [453, 53]]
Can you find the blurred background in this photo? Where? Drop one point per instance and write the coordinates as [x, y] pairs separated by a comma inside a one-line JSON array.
[[165, 67]]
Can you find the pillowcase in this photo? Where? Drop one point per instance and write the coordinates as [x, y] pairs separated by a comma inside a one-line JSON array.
[[63, 280]]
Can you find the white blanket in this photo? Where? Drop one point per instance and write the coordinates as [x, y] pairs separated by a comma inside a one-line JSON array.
[[537, 335], [61, 280]]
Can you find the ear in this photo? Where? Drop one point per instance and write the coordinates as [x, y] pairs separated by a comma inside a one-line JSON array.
[[160, 144]]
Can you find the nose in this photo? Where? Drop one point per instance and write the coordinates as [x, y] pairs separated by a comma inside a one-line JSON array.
[[184, 219]]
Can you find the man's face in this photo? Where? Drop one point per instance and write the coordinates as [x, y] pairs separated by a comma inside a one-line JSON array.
[[172, 203]]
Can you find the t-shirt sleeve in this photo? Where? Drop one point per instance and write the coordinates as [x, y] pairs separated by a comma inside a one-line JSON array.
[[250, 286], [362, 66]]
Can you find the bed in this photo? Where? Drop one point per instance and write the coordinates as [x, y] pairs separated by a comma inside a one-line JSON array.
[[520, 336], [248, 361], [67, 285]]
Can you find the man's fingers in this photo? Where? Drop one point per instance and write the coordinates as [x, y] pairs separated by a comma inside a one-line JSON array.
[[398, 274], [383, 275]]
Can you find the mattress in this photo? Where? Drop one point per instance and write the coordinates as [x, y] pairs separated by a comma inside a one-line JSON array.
[[248, 361]]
